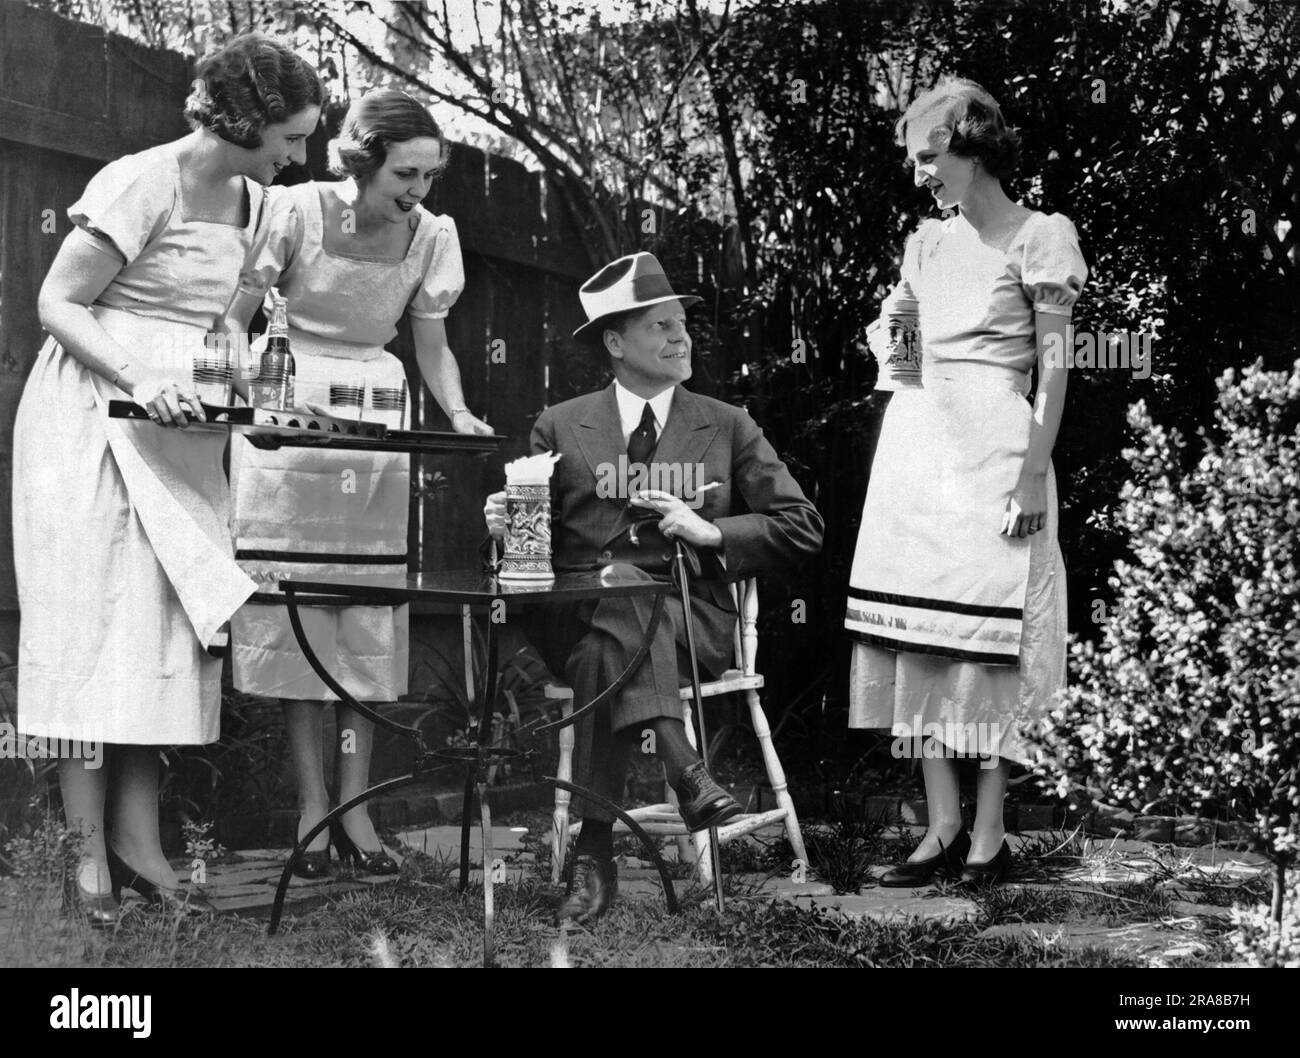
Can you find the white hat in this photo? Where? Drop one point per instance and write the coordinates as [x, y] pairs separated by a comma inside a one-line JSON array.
[[636, 281]]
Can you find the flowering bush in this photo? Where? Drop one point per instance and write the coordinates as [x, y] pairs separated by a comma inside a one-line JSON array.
[[1191, 700], [1261, 940]]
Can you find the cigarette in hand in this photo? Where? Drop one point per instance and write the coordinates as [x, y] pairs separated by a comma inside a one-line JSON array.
[[710, 485]]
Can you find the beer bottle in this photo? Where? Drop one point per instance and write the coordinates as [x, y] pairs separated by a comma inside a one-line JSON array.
[[273, 388]]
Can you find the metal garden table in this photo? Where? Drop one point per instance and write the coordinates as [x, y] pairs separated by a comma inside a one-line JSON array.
[[473, 591]]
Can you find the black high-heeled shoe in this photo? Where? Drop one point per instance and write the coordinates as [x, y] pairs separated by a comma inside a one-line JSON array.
[[188, 901], [100, 910], [994, 872], [921, 872], [313, 865], [363, 862]]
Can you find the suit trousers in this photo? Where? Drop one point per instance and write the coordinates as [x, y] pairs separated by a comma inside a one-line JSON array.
[[592, 641]]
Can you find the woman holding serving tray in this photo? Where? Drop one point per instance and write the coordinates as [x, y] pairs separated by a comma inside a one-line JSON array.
[[121, 536], [351, 258]]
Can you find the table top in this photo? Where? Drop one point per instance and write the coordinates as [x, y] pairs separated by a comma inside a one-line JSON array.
[[471, 587]]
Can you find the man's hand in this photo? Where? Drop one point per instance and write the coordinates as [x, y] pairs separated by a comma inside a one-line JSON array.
[[677, 519], [494, 513]]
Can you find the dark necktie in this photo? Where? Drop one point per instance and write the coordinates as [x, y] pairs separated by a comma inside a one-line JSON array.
[[642, 443]]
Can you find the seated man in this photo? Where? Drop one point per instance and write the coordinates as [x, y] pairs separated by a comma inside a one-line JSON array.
[[646, 428]]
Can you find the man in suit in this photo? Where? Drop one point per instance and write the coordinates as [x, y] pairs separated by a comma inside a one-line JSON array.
[[646, 429]]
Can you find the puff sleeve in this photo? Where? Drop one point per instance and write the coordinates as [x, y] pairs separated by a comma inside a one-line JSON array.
[[276, 242], [444, 277], [1052, 269], [125, 205]]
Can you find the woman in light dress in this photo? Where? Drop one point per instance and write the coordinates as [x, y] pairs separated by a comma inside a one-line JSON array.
[[957, 595], [351, 258], [121, 535]]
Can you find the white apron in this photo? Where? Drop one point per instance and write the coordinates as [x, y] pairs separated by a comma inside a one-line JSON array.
[[931, 572], [123, 556], [300, 513]]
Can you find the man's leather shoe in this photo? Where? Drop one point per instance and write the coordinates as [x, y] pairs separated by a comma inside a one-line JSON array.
[[593, 885], [701, 801]]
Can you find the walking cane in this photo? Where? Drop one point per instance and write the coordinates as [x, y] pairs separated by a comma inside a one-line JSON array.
[[683, 583]]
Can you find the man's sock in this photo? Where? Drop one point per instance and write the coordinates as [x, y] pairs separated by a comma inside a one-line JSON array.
[[596, 839], [672, 747]]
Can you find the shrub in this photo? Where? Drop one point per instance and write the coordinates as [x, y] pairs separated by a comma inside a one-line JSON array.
[[1191, 700]]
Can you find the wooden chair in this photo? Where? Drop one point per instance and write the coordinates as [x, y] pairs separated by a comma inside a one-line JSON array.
[[664, 818]]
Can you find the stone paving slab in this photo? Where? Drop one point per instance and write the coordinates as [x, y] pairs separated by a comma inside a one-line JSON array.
[[444, 842], [244, 882], [1189, 909], [1144, 940]]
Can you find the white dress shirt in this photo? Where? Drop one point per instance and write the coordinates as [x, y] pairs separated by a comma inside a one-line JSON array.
[[631, 408]]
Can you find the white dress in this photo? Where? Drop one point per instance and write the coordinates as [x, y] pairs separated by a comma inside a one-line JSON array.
[[300, 512], [121, 529], [961, 631]]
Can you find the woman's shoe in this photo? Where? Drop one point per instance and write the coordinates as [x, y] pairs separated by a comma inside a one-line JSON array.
[[991, 873], [180, 901], [363, 862], [100, 910], [312, 865], [921, 872]]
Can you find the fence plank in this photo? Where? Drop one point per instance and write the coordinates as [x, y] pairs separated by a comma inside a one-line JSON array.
[[146, 91], [52, 63]]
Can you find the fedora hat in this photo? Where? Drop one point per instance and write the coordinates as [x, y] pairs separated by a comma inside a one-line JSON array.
[[636, 281]]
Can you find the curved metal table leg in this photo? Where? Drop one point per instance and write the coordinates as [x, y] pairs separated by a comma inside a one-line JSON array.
[[670, 894], [295, 622], [278, 906], [487, 703]]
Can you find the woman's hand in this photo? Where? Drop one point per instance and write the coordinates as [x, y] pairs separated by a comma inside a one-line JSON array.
[[877, 336], [166, 397], [1027, 506], [463, 422]]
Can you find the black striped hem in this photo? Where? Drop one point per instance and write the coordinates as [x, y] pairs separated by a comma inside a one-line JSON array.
[[331, 602], [982, 657], [943, 605], [320, 557]]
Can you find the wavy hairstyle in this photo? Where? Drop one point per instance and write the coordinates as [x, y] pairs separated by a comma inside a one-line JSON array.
[[972, 125], [249, 84], [372, 125]]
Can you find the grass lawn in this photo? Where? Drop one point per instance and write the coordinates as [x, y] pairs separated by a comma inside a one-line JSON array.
[[421, 921]]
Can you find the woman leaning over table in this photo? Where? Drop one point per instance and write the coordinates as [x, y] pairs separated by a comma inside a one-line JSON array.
[[121, 537], [351, 258], [957, 595]]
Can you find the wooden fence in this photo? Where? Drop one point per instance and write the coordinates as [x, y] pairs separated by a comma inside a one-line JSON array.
[[73, 97]]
